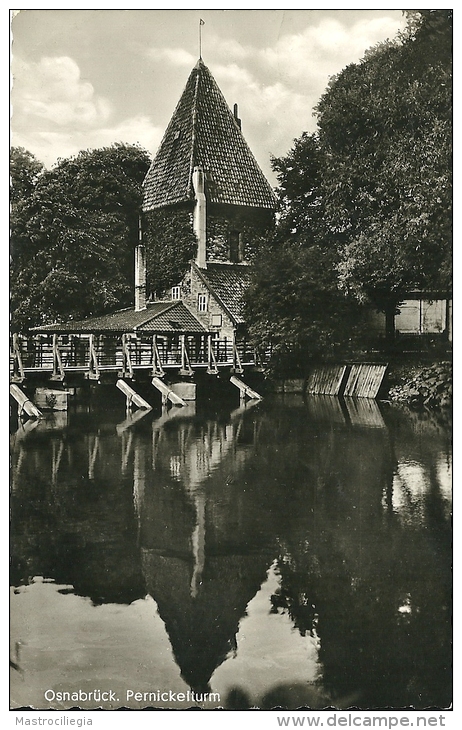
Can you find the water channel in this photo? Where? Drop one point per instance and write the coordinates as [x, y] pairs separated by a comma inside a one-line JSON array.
[[292, 553]]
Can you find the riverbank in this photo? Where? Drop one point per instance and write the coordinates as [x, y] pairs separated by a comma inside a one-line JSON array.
[[416, 382], [421, 384]]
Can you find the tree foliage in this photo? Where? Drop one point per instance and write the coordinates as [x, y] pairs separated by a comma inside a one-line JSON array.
[[73, 231], [25, 169], [365, 202], [170, 245], [385, 125], [295, 307], [294, 304]]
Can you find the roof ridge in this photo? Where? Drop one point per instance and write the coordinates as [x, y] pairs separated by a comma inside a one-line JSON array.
[[238, 129], [203, 131]]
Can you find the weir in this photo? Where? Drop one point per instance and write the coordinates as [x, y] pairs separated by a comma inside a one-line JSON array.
[[360, 380]]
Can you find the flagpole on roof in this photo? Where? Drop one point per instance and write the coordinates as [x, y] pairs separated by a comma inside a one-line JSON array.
[[201, 23]]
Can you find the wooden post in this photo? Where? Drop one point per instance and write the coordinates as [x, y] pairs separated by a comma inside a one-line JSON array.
[[212, 366], [167, 393], [244, 390], [258, 361], [93, 366], [185, 365], [127, 368], [24, 404], [17, 375], [58, 371], [237, 367], [157, 369], [132, 398]]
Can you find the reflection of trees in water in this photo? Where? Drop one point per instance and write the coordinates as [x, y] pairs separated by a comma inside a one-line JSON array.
[[286, 695], [193, 511], [374, 585], [72, 516]]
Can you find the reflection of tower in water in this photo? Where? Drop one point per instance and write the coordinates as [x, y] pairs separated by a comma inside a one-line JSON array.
[[199, 565]]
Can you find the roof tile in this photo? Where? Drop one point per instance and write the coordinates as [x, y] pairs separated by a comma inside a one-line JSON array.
[[229, 282], [203, 132], [157, 317]]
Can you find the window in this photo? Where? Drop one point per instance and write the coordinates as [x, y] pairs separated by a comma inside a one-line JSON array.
[[176, 292], [216, 320], [202, 302]]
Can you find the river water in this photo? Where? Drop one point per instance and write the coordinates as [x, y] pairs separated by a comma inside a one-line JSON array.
[[290, 553]]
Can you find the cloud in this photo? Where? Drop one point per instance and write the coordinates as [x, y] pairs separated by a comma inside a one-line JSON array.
[[56, 113], [261, 103], [174, 56], [278, 86], [308, 58], [50, 145], [52, 90]]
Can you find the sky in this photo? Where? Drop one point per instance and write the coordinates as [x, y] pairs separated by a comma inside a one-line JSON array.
[[83, 79]]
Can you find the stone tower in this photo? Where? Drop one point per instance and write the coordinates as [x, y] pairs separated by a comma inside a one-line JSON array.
[[205, 180]]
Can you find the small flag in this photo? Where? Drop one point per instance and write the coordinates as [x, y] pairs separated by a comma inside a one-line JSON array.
[[201, 22]]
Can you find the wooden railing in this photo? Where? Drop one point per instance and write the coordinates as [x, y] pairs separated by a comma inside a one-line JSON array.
[[58, 353]]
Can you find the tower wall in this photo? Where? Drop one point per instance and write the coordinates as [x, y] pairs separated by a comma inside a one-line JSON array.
[[170, 241], [235, 233], [170, 245]]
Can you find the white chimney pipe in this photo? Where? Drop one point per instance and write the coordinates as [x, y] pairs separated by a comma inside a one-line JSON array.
[[140, 273], [199, 220]]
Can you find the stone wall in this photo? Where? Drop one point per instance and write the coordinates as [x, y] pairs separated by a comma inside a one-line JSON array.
[[192, 286], [230, 227]]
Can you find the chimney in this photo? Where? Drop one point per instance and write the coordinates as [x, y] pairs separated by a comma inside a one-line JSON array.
[[140, 273], [199, 220], [236, 116]]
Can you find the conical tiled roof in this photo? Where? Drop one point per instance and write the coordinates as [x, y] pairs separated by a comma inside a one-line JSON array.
[[203, 132]]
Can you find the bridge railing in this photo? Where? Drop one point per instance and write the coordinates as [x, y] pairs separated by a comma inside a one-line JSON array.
[[39, 352]]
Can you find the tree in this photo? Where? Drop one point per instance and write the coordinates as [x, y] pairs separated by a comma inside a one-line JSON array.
[[73, 237], [385, 126], [295, 305], [25, 169], [301, 201], [170, 245], [365, 202]]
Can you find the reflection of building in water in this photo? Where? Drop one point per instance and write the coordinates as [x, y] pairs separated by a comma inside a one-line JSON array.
[[200, 559], [194, 511]]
